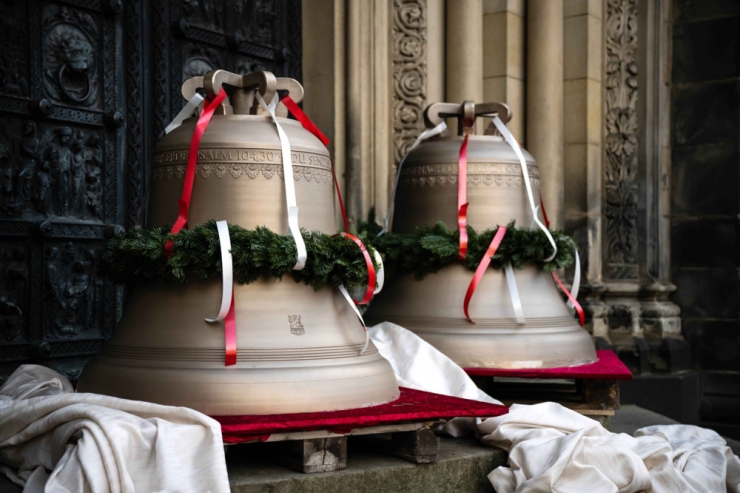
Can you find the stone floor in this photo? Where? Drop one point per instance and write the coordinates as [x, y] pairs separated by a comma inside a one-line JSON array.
[[462, 467]]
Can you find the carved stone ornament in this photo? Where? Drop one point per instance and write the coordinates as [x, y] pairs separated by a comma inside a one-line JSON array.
[[621, 166], [70, 57], [49, 171], [409, 73]]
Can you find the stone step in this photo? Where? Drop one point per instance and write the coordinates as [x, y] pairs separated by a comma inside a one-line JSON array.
[[462, 466]]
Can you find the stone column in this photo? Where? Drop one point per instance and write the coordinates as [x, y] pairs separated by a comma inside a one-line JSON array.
[[504, 59], [545, 100], [324, 76], [368, 106], [464, 59], [583, 45]]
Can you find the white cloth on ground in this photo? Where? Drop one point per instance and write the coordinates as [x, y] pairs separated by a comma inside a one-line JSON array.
[[54, 440], [552, 448], [419, 365]]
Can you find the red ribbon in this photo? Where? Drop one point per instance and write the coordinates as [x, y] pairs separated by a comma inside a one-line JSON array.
[[230, 335], [544, 214], [484, 263], [576, 305], [209, 106], [371, 277], [304, 120], [462, 198]]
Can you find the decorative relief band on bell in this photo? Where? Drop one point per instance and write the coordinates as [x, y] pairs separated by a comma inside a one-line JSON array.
[[488, 174], [251, 170], [242, 354], [242, 156], [237, 162]]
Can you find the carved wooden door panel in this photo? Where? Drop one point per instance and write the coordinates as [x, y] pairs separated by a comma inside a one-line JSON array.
[[86, 89]]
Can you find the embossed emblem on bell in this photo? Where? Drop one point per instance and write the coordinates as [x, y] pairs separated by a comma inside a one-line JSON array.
[[163, 350], [544, 333]]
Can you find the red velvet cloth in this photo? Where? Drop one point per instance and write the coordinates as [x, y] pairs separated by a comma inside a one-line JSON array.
[[412, 405], [608, 367]]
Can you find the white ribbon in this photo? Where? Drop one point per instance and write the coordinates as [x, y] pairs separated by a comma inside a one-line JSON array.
[[347, 297], [426, 134], [518, 151], [295, 231], [185, 112], [380, 274], [536, 214], [227, 269], [576, 281], [516, 301]]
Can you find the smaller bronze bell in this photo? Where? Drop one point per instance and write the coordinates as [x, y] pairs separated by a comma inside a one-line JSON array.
[[298, 349], [433, 307]]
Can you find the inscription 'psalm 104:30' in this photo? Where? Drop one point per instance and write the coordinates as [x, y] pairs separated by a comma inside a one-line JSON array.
[[243, 156]]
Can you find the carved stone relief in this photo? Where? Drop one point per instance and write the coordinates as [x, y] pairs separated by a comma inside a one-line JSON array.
[[70, 57], [409, 73], [72, 293], [50, 170], [258, 18], [621, 165], [208, 14]]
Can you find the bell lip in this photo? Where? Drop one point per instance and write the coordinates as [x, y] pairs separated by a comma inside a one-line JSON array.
[[534, 364], [228, 391]]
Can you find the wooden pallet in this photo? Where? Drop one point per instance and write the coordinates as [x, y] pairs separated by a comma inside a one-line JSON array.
[[325, 451], [598, 399], [591, 390]]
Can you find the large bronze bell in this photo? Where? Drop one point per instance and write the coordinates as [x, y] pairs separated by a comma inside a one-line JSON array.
[[298, 349], [433, 307]]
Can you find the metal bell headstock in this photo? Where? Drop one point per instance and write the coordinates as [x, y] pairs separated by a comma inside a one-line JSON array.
[[466, 113], [241, 90]]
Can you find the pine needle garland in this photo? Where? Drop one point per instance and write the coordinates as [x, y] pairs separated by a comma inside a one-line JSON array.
[[432, 248], [138, 257]]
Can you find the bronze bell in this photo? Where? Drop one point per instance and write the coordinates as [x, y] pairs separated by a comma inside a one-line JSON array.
[[298, 349], [433, 307]]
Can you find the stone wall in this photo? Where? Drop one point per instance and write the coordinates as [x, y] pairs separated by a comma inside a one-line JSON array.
[[705, 198]]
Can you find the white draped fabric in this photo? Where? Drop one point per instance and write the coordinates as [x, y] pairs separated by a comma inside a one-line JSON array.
[[552, 448], [54, 440], [418, 365]]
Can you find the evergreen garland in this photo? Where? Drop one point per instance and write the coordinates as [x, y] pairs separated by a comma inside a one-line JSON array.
[[432, 248], [138, 257]]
